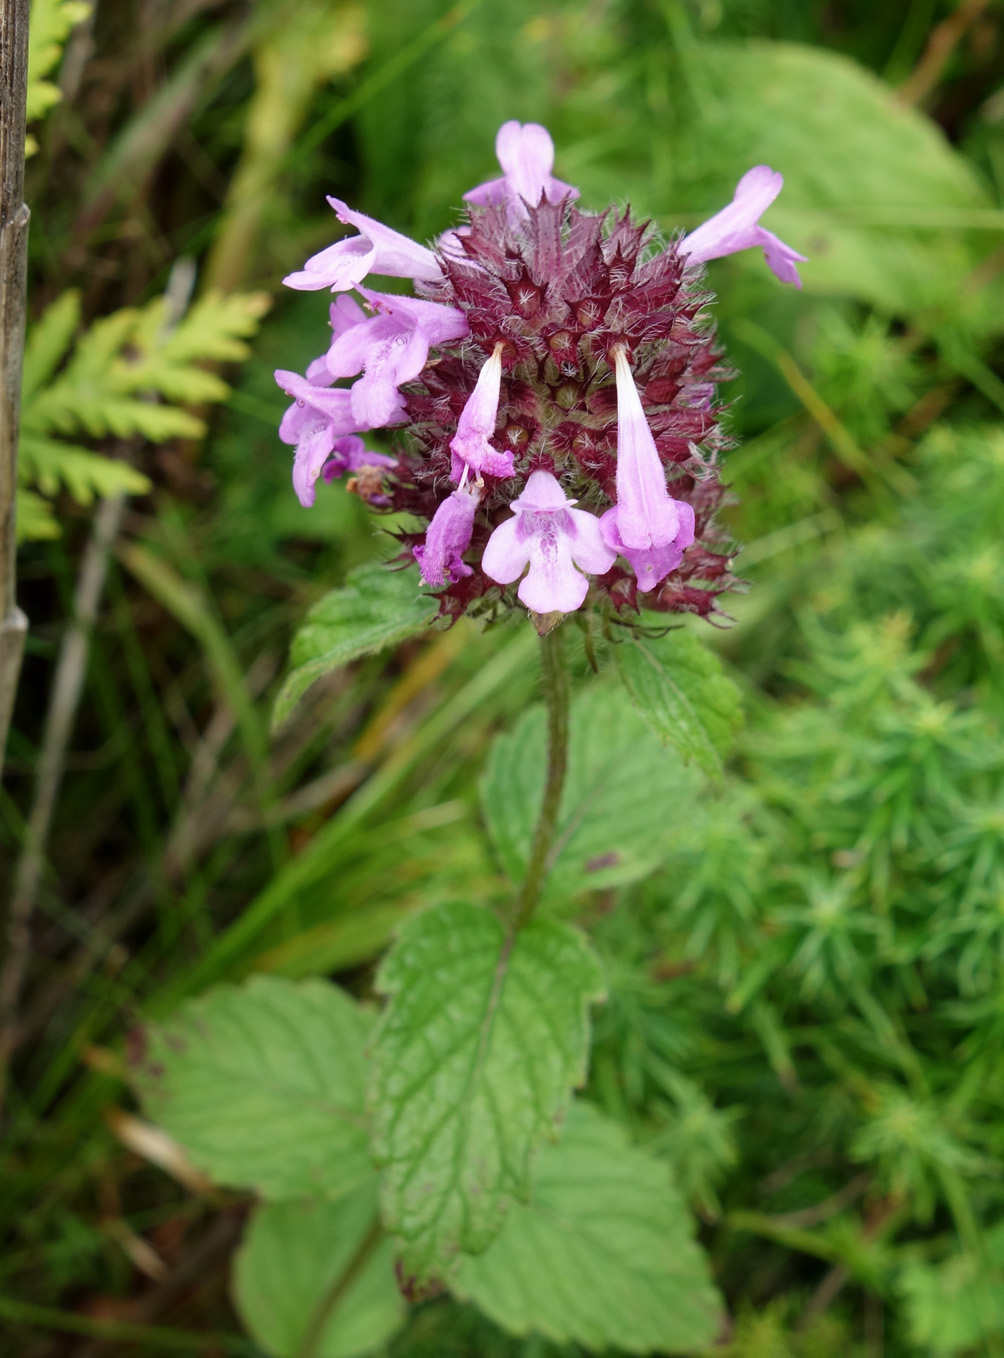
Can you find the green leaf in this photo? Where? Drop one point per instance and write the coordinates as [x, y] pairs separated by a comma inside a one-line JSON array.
[[603, 1253], [321, 1268], [678, 687], [616, 816], [49, 464], [475, 1059], [35, 520], [51, 22], [263, 1086], [874, 193], [375, 608], [47, 342]]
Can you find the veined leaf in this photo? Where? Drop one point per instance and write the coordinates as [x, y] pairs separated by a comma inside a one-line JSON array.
[[617, 810], [375, 608], [264, 1086], [678, 687], [475, 1058], [298, 1257], [602, 1255]]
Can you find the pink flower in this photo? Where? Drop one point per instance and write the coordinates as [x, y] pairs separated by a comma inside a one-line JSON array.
[[389, 348], [526, 153], [737, 227], [552, 538], [377, 249], [448, 536], [316, 419], [646, 525], [470, 447]]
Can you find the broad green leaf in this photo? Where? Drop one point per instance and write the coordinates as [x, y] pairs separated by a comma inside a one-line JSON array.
[[475, 1059], [263, 1085], [958, 1305], [874, 194], [316, 1268], [680, 690], [602, 1255], [376, 607], [621, 789]]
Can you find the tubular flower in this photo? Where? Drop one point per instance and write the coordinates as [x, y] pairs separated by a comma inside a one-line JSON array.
[[554, 383], [552, 538], [646, 525], [737, 227]]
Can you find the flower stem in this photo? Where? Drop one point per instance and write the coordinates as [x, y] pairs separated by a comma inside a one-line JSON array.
[[555, 675]]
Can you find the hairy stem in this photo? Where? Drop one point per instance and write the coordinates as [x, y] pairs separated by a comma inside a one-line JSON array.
[[555, 675]]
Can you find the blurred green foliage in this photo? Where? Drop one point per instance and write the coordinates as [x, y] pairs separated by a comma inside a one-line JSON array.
[[804, 1017]]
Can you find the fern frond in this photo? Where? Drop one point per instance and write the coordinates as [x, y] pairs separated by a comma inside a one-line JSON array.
[[48, 465], [35, 519], [47, 343], [50, 26]]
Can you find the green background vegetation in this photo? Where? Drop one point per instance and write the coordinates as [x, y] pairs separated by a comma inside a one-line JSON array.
[[805, 1013]]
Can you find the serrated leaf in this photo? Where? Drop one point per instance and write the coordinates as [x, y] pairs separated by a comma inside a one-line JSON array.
[[216, 326], [263, 1086], [678, 687], [474, 1062], [51, 22], [295, 1254], [49, 464], [602, 1255], [375, 608], [617, 810]]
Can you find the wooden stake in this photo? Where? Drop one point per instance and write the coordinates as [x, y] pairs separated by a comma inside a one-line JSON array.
[[13, 269]]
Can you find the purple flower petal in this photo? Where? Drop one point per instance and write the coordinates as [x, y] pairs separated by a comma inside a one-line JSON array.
[[737, 227], [448, 536], [526, 154], [350, 454], [647, 515], [651, 565], [377, 249], [552, 538], [470, 446]]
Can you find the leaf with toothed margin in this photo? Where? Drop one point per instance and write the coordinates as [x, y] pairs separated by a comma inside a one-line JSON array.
[[620, 806], [482, 1042], [678, 687], [375, 608], [603, 1253], [263, 1085]]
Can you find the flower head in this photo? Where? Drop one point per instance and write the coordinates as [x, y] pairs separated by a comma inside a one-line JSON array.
[[554, 386], [552, 538], [737, 227]]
